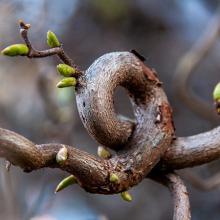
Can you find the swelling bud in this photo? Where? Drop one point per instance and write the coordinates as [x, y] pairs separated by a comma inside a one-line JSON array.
[[113, 178], [67, 82], [66, 70], [216, 97], [103, 152], [16, 50], [216, 92], [126, 196], [52, 40], [62, 155]]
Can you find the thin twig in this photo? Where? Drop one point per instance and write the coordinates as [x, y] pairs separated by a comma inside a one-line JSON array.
[[33, 53]]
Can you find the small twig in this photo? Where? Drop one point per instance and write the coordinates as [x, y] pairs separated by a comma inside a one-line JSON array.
[[179, 193], [33, 53]]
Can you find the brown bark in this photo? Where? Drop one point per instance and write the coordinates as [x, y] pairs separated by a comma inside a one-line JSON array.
[[179, 193], [194, 150], [147, 142], [144, 148], [139, 146]]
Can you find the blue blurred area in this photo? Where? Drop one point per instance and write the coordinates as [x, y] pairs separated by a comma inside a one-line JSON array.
[[57, 12]]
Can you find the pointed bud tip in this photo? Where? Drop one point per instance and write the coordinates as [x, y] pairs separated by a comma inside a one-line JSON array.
[[216, 92], [66, 70], [15, 50], [103, 152], [114, 178], [70, 180], [66, 82], [52, 39], [126, 196]]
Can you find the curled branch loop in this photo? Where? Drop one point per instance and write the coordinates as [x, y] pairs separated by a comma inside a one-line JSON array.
[[144, 148]]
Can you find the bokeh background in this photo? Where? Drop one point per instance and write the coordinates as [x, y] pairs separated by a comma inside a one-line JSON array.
[[30, 104]]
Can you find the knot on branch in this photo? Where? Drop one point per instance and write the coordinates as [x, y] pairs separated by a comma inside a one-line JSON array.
[[139, 145]]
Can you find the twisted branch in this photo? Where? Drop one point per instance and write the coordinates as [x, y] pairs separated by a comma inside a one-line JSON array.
[[144, 148], [139, 150]]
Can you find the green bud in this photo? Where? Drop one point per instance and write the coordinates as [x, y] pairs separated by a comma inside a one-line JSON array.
[[66, 70], [70, 180], [216, 92], [114, 178], [126, 196], [103, 152], [62, 155], [52, 40], [67, 82], [16, 50], [216, 97]]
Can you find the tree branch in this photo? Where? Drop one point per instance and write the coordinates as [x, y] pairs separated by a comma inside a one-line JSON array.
[[179, 193], [193, 150], [139, 146], [33, 53], [144, 148], [93, 172]]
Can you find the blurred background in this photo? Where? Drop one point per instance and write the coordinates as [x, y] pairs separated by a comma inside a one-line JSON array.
[[171, 34]]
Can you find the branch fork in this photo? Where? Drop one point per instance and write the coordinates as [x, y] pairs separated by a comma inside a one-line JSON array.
[[144, 148]]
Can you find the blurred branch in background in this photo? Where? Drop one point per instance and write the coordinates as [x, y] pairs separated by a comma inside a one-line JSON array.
[[61, 116], [185, 67], [38, 203], [9, 197], [202, 184], [188, 63]]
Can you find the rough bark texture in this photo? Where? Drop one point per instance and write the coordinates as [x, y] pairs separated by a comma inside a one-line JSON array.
[[143, 148], [139, 146], [179, 193], [193, 150]]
